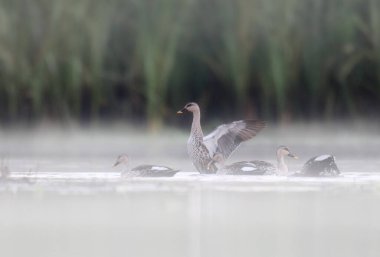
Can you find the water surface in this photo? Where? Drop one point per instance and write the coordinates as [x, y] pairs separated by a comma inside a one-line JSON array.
[[63, 198]]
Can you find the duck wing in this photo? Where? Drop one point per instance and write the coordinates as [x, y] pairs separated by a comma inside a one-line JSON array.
[[254, 168], [265, 167], [322, 165], [154, 171], [227, 137]]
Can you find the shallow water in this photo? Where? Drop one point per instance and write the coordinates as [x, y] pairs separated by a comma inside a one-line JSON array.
[[63, 198]]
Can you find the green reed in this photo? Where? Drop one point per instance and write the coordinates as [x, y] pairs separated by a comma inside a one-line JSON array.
[[128, 58]]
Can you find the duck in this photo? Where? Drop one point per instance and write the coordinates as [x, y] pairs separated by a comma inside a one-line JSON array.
[[258, 167], [144, 170], [320, 166], [222, 142]]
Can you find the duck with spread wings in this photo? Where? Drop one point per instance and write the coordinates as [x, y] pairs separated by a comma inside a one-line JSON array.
[[223, 141]]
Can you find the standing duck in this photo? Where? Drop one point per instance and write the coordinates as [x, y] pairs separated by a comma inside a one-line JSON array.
[[144, 170], [222, 141], [320, 166], [258, 167]]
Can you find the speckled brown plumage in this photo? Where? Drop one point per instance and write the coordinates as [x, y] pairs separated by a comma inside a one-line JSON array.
[[222, 141]]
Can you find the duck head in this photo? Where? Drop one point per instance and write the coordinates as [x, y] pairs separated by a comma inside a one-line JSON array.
[[189, 107], [284, 151], [121, 159]]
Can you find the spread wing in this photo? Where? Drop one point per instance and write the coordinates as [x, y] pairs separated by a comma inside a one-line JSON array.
[[227, 137]]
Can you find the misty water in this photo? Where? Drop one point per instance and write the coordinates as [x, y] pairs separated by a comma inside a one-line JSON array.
[[64, 198]]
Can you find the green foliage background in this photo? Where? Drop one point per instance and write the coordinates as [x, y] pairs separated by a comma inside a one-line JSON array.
[[144, 59]]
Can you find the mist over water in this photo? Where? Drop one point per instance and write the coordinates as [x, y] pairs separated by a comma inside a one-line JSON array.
[[122, 68], [64, 198]]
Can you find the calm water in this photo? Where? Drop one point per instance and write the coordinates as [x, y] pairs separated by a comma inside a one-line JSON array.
[[63, 197]]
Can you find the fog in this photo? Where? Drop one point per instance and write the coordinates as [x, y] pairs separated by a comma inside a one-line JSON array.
[[64, 198]]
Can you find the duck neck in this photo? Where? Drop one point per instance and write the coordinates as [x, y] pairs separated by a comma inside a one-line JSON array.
[[126, 168], [196, 129], [281, 165]]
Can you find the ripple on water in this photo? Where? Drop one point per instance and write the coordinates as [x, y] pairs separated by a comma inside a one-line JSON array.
[[112, 182]]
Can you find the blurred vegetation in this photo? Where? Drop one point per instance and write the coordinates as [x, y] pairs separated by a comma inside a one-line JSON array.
[[143, 59]]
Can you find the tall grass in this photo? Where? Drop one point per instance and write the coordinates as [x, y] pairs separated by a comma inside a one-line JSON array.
[[88, 59], [374, 33], [159, 27]]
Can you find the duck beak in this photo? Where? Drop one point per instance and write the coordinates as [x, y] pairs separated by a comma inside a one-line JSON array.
[[181, 111], [116, 163], [293, 156]]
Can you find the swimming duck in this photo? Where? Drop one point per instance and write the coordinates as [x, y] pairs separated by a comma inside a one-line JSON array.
[[258, 167], [320, 166], [223, 141], [144, 170]]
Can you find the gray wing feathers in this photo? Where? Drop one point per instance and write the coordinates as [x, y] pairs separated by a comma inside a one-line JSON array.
[[227, 137]]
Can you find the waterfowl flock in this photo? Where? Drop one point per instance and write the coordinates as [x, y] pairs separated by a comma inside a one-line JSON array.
[[209, 153]]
